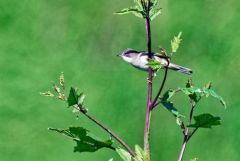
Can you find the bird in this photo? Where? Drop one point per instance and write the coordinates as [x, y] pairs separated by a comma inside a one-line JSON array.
[[140, 59]]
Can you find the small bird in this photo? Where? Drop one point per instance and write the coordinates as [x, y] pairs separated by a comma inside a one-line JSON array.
[[140, 60]]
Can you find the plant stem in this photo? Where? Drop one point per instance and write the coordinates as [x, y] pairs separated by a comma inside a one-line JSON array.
[[107, 130], [183, 149], [149, 97], [186, 133], [154, 103]]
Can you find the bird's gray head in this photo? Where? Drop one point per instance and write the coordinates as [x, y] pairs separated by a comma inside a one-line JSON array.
[[129, 54]]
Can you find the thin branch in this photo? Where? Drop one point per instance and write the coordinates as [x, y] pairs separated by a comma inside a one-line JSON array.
[[183, 128], [187, 134], [154, 103], [192, 133], [191, 111], [83, 111]]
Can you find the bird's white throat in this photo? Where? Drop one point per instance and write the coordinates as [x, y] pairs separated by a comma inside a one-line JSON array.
[[127, 59]]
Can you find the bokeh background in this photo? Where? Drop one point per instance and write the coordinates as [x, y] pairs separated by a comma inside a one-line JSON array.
[[41, 38]]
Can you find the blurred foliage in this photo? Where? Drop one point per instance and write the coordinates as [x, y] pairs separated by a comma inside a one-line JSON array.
[[39, 39]]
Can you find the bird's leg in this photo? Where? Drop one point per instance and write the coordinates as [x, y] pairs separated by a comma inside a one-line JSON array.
[[149, 81]]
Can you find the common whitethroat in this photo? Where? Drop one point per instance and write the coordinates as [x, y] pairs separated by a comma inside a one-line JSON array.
[[140, 59]]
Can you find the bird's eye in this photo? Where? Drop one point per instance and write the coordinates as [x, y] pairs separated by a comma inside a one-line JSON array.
[[128, 54]]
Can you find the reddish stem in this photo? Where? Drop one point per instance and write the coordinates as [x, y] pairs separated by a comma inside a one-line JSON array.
[[108, 131], [149, 97]]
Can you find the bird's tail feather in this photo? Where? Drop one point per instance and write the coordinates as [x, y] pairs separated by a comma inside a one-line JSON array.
[[180, 68]]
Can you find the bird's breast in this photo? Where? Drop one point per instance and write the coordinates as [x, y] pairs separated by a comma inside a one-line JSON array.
[[141, 62]]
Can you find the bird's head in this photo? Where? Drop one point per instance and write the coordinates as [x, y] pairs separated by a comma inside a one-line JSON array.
[[129, 54]]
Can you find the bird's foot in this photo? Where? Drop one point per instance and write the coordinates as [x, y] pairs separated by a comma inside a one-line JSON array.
[[149, 81]]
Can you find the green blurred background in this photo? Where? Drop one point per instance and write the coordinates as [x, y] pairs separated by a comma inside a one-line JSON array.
[[41, 38]]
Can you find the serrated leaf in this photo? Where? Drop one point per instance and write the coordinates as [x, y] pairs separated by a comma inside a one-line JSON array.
[[176, 42], [154, 13], [124, 154], [139, 4], [73, 97], [134, 10], [167, 95], [194, 93], [81, 98], [205, 121], [153, 4], [141, 155], [62, 80], [169, 105], [215, 95], [47, 94], [86, 141], [154, 64]]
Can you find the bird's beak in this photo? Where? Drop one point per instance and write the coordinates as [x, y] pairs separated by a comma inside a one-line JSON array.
[[119, 55]]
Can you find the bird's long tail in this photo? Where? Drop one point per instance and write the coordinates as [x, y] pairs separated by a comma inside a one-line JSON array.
[[180, 68]]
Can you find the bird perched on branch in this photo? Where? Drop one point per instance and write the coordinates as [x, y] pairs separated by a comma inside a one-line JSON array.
[[140, 60]]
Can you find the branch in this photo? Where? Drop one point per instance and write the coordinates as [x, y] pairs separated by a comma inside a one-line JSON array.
[[187, 135], [155, 103], [192, 133], [83, 111], [149, 97]]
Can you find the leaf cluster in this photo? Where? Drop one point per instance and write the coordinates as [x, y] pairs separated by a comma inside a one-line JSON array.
[[143, 9], [194, 94], [86, 141]]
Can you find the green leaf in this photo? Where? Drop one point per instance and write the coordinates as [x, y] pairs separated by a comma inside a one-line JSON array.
[[86, 142], [124, 154], [195, 93], [192, 92], [47, 94], [110, 159], [169, 105], [133, 10], [141, 155], [139, 4], [81, 98], [154, 64], [194, 159], [154, 9], [154, 13], [215, 95], [205, 121], [167, 95], [176, 42], [75, 97]]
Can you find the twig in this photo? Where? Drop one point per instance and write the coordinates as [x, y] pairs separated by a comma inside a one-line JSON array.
[[187, 134], [192, 133], [83, 111], [155, 103]]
